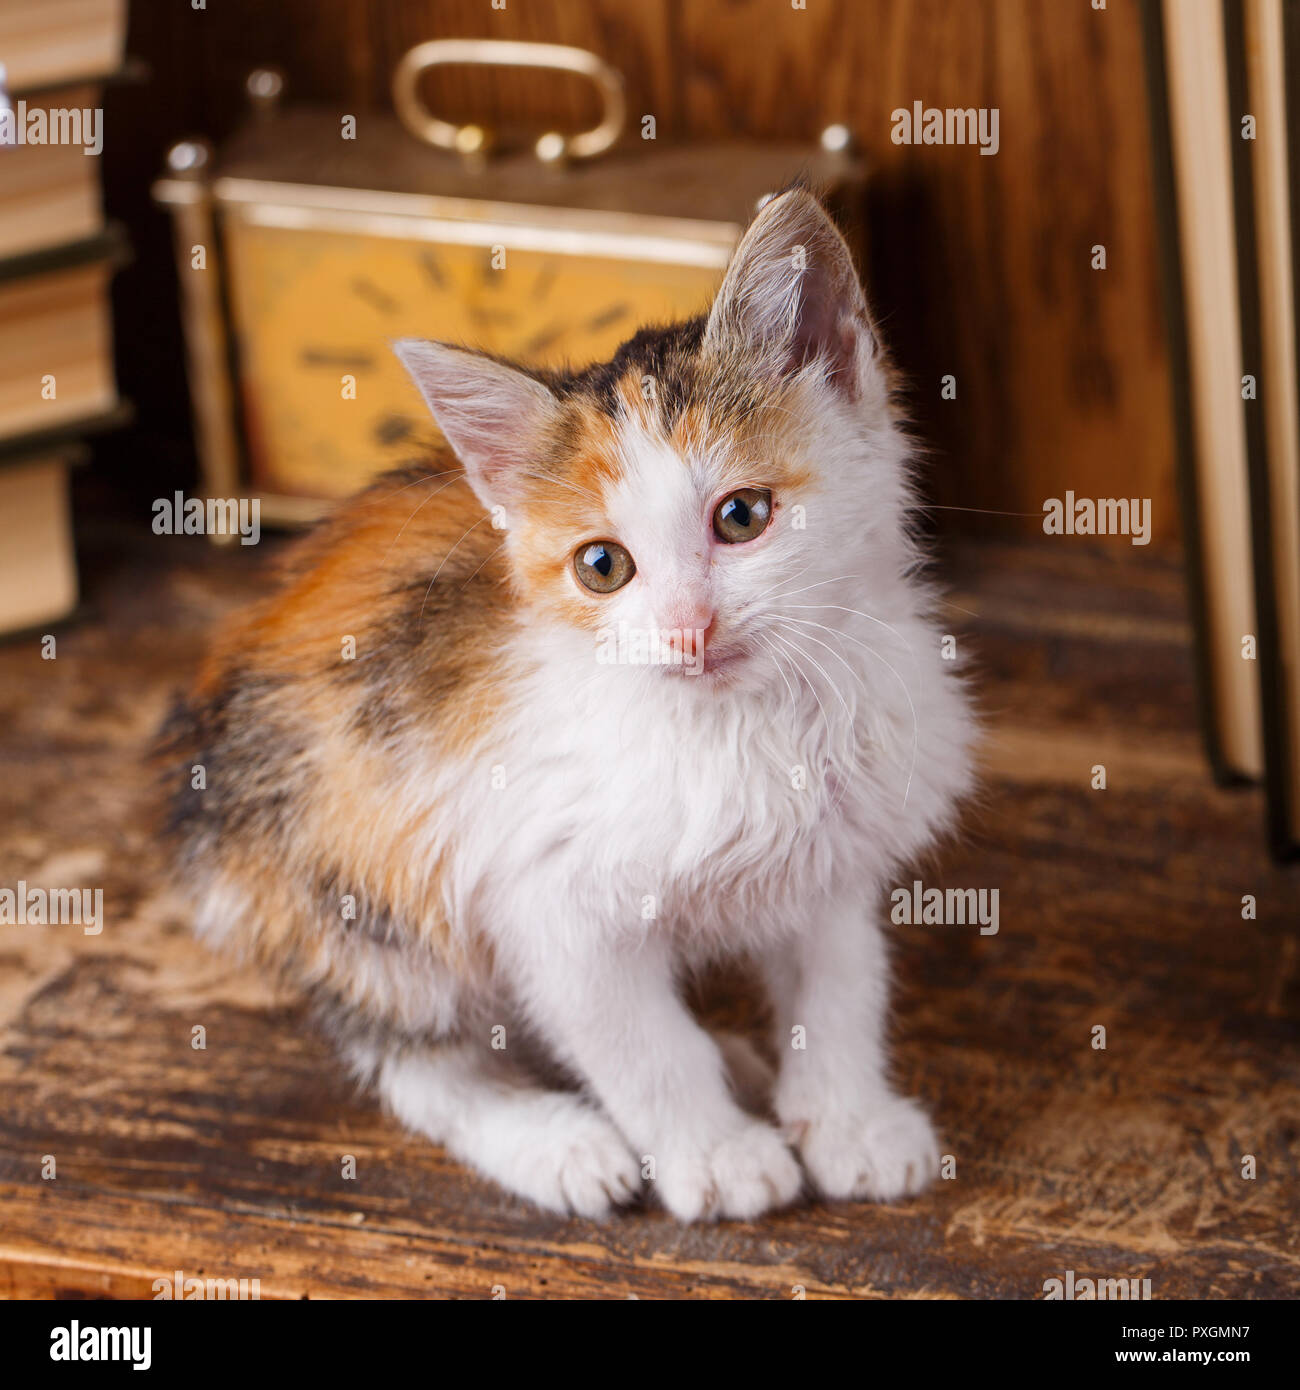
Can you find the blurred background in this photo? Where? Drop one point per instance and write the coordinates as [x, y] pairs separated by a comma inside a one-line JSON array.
[[980, 267]]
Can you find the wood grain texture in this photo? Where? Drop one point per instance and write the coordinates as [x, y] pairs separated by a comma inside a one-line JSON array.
[[980, 266], [1119, 907]]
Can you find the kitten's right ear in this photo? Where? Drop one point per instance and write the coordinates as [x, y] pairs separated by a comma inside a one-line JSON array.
[[492, 415]]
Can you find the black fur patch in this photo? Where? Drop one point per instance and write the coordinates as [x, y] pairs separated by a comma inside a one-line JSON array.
[[667, 354], [244, 750]]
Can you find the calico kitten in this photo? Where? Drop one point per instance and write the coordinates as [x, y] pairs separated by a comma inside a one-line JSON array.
[[649, 685]]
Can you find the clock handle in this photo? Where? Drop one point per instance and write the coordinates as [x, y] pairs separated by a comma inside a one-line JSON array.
[[472, 139]]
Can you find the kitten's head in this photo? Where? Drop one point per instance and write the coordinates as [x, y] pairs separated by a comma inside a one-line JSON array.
[[687, 493]]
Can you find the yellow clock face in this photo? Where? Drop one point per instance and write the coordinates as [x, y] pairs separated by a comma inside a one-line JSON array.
[[327, 405]]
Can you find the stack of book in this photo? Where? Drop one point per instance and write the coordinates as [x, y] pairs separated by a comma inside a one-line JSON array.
[[1224, 91], [56, 258]]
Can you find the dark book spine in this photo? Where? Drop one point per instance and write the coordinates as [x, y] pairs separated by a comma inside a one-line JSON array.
[[1171, 276], [1277, 761], [1291, 97], [110, 245]]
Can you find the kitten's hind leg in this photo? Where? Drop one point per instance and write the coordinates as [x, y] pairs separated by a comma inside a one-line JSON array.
[[550, 1147]]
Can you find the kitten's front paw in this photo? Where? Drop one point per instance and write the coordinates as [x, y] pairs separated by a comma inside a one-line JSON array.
[[565, 1157], [893, 1153], [746, 1173]]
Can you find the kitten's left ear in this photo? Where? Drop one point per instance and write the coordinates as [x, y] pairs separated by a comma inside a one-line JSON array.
[[792, 295], [495, 417]]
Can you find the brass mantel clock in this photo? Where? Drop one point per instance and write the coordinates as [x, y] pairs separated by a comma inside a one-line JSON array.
[[322, 244]]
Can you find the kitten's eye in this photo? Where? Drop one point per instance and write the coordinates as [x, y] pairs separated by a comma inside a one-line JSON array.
[[603, 566], [743, 516]]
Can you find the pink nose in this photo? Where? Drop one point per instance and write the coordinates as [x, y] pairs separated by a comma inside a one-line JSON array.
[[690, 631]]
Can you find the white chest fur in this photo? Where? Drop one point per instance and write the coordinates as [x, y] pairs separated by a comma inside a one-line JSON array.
[[723, 814]]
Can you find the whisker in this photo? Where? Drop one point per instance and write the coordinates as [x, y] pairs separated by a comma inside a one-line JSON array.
[[851, 725], [806, 622], [794, 704], [839, 578], [777, 585], [830, 738], [425, 503], [983, 511], [445, 558], [483, 562], [911, 706], [428, 477], [562, 482], [860, 614], [807, 680], [848, 714]]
